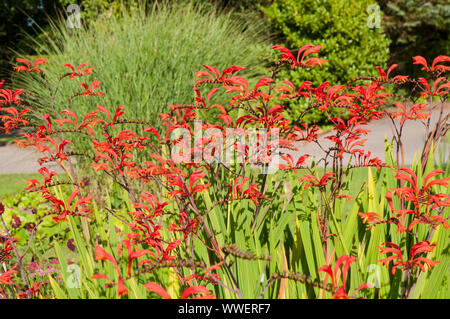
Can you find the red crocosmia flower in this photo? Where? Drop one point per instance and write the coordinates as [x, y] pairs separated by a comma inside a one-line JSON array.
[[349, 127], [9, 97], [153, 131], [170, 248], [62, 210], [73, 74], [210, 277], [383, 75], [362, 159], [90, 91], [135, 254], [33, 184], [5, 251], [114, 155], [185, 225], [288, 57], [304, 90], [195, 290], [346, 197], [238, 191], [101, 254], [366, 101], [5, 278], [348, 145], [415, 112], [80, 70], [312, 181], [13, 120], [305, 51], [440, 67], [415, 256], [337, 274], [421, 60], [370, 218], [331, 97], [433, 221], [435, 90], [27, 67], [42, 145], [286, 54], [241, 86], [34, 290], [308, 134], [290, 165], [156, 207], [253, 193], [88, 121], [422, 196], [157, 289], [178, 180], [121, 289], [216, 76], [435, 66], [100, 276]]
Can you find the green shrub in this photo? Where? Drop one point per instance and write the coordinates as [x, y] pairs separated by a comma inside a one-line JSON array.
[[145, 58], [351, 47]]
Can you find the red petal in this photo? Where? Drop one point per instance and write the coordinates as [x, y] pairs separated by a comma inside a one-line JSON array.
[[154, 287], [195, 290]]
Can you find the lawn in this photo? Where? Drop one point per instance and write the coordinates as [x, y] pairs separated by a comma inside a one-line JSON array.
[[14, 183]]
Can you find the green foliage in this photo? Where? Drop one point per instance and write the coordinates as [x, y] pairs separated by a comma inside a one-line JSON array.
[[351, 47]]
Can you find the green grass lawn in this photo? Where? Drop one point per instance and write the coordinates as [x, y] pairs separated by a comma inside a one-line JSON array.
[[14, 183]]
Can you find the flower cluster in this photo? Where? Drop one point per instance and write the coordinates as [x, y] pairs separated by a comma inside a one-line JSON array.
[[162, 221]]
